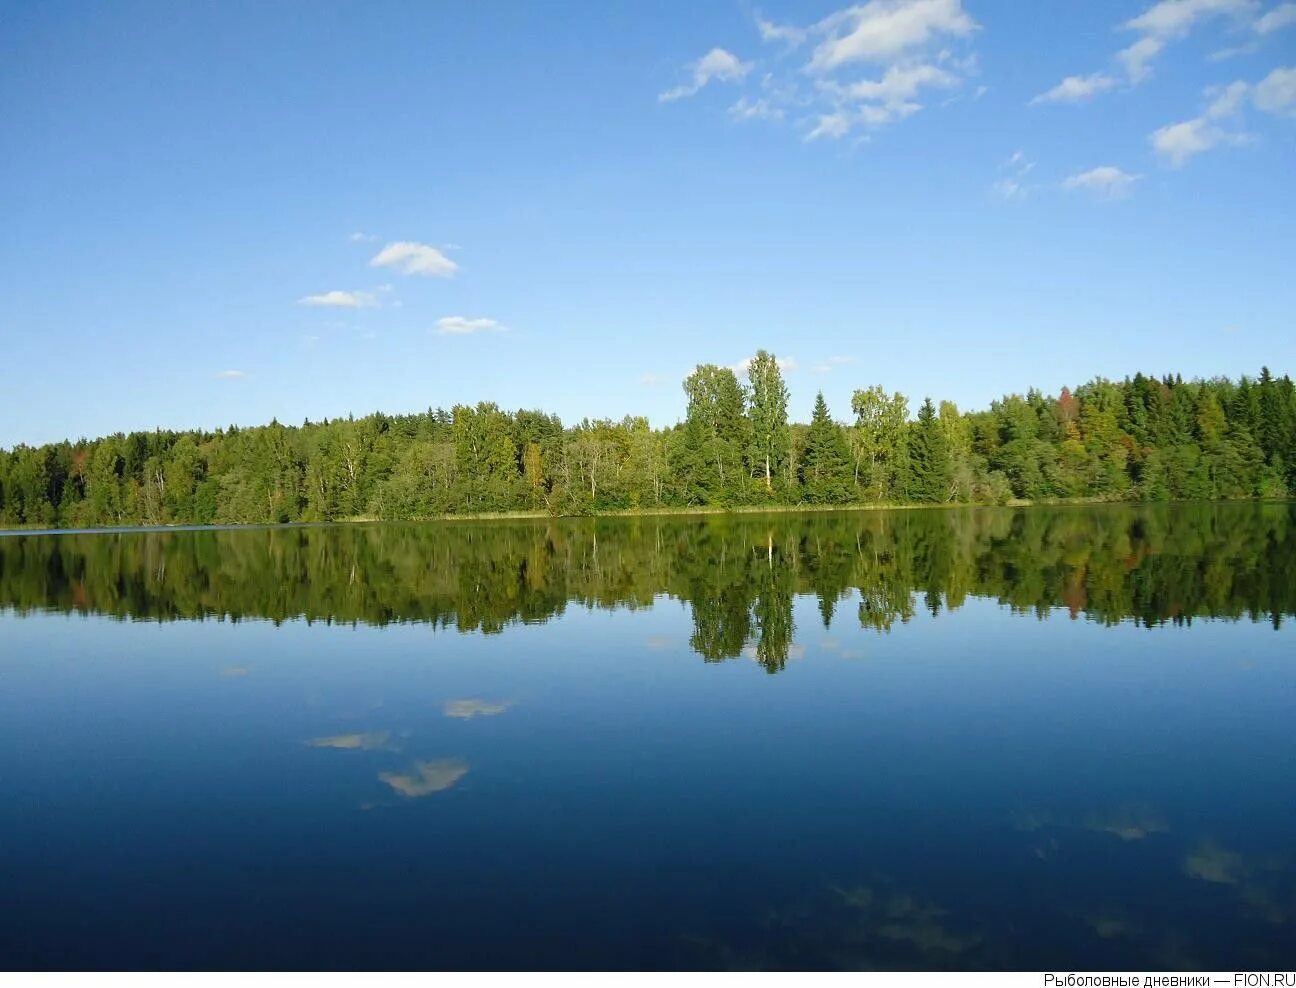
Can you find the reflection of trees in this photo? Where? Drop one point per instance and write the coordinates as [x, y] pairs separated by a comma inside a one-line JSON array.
[[739, 574]]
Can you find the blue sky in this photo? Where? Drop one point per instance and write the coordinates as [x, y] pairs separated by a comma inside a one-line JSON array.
[[224, 213]]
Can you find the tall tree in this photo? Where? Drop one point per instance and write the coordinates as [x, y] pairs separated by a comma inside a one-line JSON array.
[[929, 460], [716, 431], [880, 435], [825, 463], [769, 421]]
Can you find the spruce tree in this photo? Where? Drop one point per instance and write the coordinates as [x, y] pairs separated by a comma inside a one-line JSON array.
[[929, 461], [825, 465]]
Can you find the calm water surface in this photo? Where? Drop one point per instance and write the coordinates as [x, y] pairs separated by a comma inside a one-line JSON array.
[[1041, 739]]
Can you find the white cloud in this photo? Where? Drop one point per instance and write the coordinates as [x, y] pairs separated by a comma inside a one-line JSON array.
[[231, 375], [836, 124], [826, 366], [910, 42], [1226, 100], [1137, 58], [899, 84], [1180, 141], [341, 300], [1012, 185], [1173, 20], [1019, 163], [1105, 182], [410, 257], [463, 326], [785, 364], [1176, 18], [1158, 26], [755, 109], [363, 238], [1234, 52], [650, 380], [1076, 89], [769, 31], [1276, 92], [715, 64], [876, 102], [885, 30], [1008, 189], [1284, 15]]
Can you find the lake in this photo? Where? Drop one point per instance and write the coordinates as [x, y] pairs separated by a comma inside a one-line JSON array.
[[1043, 738]]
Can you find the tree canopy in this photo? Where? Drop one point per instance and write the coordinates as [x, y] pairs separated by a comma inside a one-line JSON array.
[[1140, 439]]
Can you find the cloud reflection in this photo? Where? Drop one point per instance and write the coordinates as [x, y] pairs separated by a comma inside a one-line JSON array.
[[352, 742], [469, 708], [425, 778]]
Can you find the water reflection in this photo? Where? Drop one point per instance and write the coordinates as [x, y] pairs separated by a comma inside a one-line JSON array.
[[425, 778], [468, 709], [738, 574], [941, 782], [370, 741]]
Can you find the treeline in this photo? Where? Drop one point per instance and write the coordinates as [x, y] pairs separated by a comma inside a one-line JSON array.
[[1139, 439], [738, 574]]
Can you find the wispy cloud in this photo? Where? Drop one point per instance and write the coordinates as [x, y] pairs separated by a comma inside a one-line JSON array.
[[231, 375], [885, 31], [1012, 182], [910, 49], [827, 365], [1284, 15], [1076, 89], [1276, 92], [1218, 125], [1173, 20], [464, 326], [410, 257], [786, 33], [715, 64], [755, 109], [338, 299], [1104, 182], [1156, 28], [359, 237]]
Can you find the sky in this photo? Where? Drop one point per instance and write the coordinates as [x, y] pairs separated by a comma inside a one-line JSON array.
[[220, 214]]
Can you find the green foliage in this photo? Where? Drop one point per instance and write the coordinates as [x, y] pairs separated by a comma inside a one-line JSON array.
[[770, 445], [930, 473], [825, 460], [737, 574], [1139, 439]]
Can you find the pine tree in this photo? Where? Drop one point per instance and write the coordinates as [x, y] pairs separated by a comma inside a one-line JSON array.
[[825, 465], [929, 461]]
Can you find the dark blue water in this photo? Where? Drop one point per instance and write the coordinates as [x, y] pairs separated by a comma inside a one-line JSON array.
[[1039, 739]]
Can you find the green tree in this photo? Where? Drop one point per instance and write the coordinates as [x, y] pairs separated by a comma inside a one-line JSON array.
[[825, 461], [769, 420], [930, 473]]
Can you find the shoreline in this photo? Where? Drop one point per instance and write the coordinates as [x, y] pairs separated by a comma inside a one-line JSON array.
[[657, 512]]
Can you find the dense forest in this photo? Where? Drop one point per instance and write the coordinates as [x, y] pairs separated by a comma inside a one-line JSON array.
[[738, 574], [1143, 439]]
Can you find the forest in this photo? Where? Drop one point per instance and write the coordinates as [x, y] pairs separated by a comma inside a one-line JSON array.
[[1140, 439], [738, 573]]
